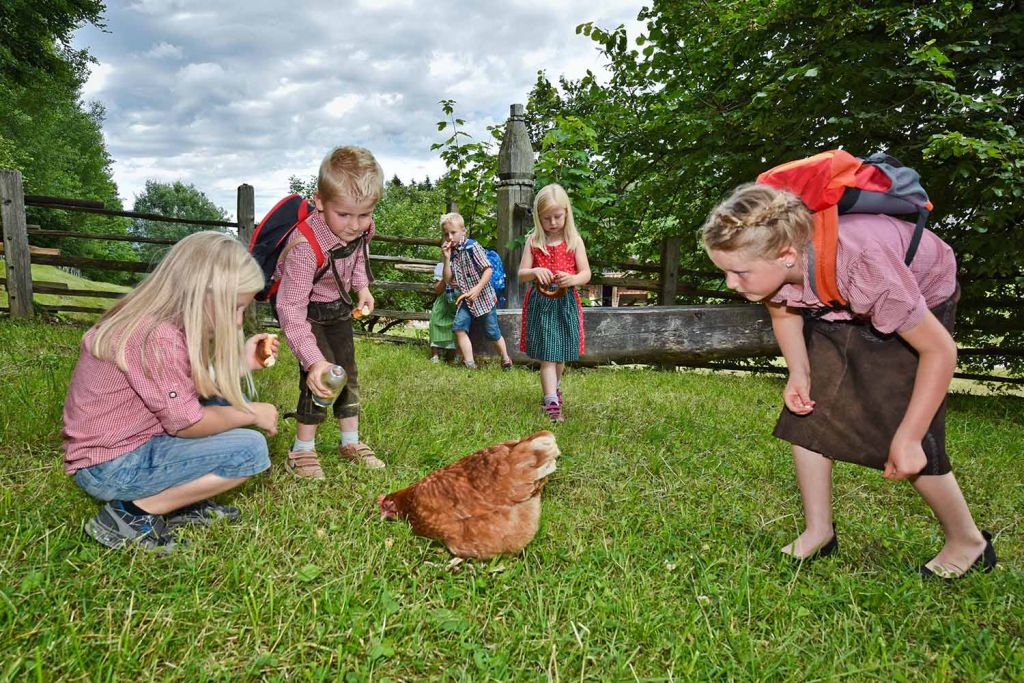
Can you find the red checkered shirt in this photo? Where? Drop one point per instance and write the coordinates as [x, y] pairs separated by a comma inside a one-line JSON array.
[[295, 273], [872, 277], [468, 262], [109, 412]]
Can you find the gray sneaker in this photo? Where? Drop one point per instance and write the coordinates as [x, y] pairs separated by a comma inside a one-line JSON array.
[[114, 527], [203, 513]]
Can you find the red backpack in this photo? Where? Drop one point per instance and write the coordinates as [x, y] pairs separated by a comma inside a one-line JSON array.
[[269, 242], [836, 182]]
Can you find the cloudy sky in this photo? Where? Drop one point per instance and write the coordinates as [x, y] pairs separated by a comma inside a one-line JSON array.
[[221, 93]]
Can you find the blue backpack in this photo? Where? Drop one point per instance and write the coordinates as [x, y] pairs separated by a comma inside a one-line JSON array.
[[497, 272]]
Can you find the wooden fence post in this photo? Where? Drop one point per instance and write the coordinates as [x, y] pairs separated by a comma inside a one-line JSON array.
[[19, 267], [670, 247], [515, 197], [246, 212]]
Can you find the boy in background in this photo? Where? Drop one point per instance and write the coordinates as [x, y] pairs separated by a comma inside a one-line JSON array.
[[467, 269]]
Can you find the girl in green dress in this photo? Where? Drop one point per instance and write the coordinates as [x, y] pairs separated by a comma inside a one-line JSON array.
[[441, 315]]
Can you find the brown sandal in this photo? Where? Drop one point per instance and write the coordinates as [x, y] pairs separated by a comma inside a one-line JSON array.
[[304, 464], [362, 454]]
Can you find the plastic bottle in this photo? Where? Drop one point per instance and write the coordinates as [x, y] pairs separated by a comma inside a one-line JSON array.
[[334, 378]]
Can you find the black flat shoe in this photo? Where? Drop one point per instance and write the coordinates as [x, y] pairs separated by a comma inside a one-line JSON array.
[[822, 551], [986, 562]]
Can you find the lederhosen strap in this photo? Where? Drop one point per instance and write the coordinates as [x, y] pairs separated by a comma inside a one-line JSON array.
[[343, 252]]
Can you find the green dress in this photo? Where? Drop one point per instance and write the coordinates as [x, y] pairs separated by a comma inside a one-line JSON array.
[[442, 313]]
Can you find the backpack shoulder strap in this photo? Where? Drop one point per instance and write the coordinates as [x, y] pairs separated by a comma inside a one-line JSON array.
[[305, 235], [822, 257]]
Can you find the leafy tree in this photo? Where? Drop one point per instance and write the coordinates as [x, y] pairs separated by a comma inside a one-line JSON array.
[[407, 211], [708, 99], [35, 36], [306, 188], [472, 169], [174, 200], [47, 133]]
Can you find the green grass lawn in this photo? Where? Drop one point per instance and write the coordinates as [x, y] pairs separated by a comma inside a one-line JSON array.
[[657, 557]]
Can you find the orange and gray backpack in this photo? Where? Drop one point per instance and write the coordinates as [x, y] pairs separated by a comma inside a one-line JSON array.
[[836, 182], [270, 242]]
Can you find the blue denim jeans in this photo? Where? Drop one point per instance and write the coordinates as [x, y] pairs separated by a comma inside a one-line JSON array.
[[463, 319], [166, 461]]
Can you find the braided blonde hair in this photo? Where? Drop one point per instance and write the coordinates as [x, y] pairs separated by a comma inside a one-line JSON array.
[[760, 220]]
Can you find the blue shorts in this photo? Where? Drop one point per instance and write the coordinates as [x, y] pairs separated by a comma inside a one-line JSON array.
[[463, 319], [166, 461]]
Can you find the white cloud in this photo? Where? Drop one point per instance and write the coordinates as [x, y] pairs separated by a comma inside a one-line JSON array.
[[165, 51], [218, 94], [97, 81]]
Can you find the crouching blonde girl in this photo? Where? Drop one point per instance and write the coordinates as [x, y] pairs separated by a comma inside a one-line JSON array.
[[154, 408]]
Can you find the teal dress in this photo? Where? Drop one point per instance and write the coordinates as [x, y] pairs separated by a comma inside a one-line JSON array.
[[552, 327]]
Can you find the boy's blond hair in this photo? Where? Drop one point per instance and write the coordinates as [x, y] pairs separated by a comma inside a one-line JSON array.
[[759, 220], [550, 197], [195, 288], [350, 172], [453, 217]]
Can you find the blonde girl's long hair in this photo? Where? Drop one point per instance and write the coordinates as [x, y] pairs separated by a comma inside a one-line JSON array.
[[195, 288], [760, 220], [548, 198]]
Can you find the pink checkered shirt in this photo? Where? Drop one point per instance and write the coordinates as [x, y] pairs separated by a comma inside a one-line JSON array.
[[872, 277], [295, 272], [109, 412], [468, 263]]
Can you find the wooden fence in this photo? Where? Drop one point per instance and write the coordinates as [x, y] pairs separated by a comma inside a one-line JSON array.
[[661, 278], [515, 196]]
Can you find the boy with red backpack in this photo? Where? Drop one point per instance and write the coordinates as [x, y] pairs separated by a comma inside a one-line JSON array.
[[862, 306], [319, 257]]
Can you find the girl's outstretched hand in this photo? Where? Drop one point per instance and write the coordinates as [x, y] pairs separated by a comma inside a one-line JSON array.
[[266, 417], [797, 394], [906, 459], [543, 275], [250, 349]]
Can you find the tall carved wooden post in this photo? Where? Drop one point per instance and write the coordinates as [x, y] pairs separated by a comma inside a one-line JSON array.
[[19, 267], [515, 197]]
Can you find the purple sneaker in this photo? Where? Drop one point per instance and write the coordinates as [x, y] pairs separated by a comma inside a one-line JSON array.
[[553, 409]]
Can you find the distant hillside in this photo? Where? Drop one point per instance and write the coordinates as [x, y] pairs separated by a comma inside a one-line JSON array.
[[52, 274]]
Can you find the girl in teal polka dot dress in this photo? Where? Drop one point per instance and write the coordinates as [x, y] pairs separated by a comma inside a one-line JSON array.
[[556, 259]]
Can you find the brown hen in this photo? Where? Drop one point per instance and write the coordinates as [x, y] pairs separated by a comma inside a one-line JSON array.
[[483, 505]]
